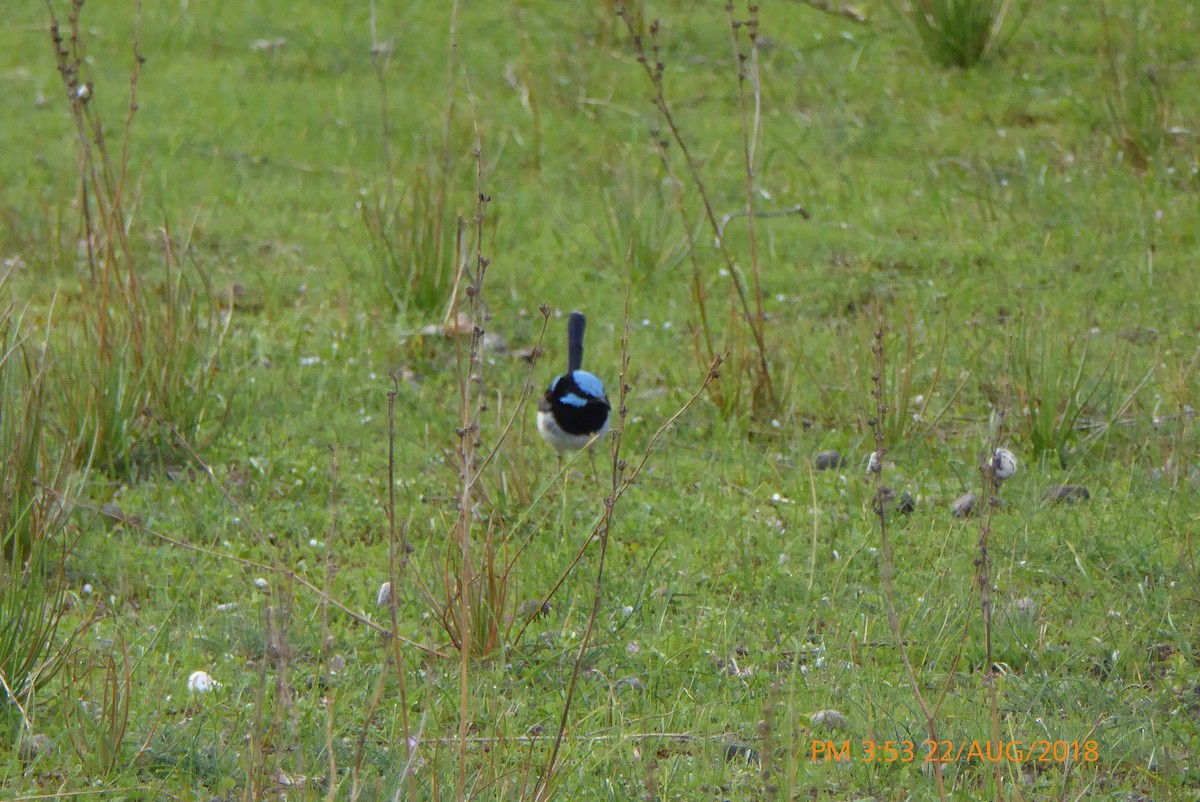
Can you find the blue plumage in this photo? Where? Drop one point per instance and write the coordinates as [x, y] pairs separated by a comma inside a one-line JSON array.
[[574, 410], [590, 385]]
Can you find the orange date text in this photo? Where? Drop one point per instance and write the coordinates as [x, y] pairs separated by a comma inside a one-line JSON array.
[[948, 751]]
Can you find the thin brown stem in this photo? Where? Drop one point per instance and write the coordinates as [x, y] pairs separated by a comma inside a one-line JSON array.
[[983, 579], [397, 562], [751, 124], [655, 69], [326, 635], [886, 564]]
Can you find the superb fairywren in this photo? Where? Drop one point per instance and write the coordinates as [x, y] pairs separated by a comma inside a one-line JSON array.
[[574, 409]]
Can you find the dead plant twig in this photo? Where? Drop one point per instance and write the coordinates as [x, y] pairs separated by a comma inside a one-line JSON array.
[[983, 579], [886, 565], [654, 68]]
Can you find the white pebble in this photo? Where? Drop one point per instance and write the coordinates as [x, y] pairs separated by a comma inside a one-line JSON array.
[[201, 682], [1004, 464]]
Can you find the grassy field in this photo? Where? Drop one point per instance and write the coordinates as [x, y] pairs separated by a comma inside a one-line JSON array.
[[208, 301]]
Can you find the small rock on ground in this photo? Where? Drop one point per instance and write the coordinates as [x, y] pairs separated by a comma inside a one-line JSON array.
[[1067, 494], [828, 460], [965, 505]]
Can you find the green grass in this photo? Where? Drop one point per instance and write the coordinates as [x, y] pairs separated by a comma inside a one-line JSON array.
[[996, 216]]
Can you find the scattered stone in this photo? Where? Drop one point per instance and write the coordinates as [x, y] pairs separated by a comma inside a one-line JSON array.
[[494, 343], [736, 750], [631, 682], [903, 503], [321, 681], [284, 781], [1003, 464], [273, 45], [965, 505], [828, 460], [337, 664], [32, 746], [831, 720], [1024, 606], [201, 682], [532, 608], [461, 325], [237, 297], [1067, 494], [384, 595], [1139, 335]]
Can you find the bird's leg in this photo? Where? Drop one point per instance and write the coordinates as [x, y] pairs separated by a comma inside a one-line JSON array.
[[592, 461], [566, 475]]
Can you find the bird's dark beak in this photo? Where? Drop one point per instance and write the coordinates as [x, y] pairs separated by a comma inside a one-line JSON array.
[[544, 404]]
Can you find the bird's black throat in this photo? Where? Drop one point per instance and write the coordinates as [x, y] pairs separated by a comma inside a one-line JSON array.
[[585, 419]]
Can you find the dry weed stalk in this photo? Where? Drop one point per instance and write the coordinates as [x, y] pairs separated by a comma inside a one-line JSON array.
[[983, 578], [766, 732], [749, 101], [331, 570], [97, 725], [763, 389], [134, 349], [886, 563], [473, 402]]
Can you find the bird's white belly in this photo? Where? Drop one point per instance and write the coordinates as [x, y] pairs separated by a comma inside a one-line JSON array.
[[553, 434]]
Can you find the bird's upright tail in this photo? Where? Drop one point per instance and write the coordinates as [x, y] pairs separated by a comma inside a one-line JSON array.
[[576, 324]]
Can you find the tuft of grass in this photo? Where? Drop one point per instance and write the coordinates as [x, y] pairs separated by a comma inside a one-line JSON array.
[[640, 229], [144, 341], [887, 565], [1069, 403], [96, 702], [1136, 95], [37, 484], [411, 235], [36, 476], [911, 382], [31, 603], [960, 33], [745, 343]]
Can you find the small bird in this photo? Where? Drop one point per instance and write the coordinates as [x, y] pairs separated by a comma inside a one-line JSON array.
[[575, 409]]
